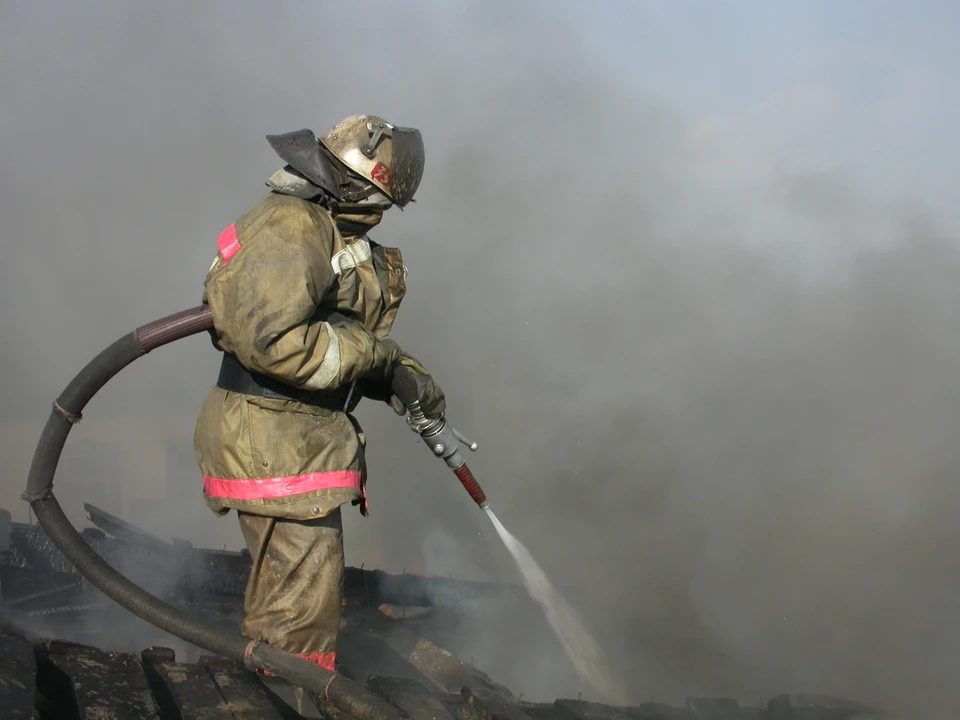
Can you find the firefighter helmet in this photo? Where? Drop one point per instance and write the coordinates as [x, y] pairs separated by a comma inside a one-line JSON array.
[[389, 156]]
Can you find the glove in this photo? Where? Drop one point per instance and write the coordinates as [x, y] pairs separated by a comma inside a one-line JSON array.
[[431, 397], [385, 352]]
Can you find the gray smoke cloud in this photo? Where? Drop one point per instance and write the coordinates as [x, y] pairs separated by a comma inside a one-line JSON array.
[[713, 396]]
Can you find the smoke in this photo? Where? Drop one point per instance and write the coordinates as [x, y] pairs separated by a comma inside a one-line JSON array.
[[708, 363]]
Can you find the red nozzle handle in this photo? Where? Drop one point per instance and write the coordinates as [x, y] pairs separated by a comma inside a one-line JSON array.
[[471, 485]]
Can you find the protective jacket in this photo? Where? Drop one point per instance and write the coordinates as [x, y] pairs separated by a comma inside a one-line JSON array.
[[281, 270]]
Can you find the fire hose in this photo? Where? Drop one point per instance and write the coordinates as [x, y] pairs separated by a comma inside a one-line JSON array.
[[331, 687]]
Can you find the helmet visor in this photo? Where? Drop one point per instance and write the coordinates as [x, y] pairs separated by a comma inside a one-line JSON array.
[[408, 162]]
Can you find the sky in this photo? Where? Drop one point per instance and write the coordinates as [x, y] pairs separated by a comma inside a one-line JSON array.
[[861, 76], [685, 271]]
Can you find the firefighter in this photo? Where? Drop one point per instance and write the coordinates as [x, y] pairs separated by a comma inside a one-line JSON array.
[[303, 301]]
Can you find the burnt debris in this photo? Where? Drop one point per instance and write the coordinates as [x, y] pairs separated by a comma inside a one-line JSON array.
[[59, 636]]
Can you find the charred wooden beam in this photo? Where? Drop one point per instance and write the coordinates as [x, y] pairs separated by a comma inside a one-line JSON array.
[[435, 663], [183, 691], [105, 684], [487, 705], [241, 689], [362, 654], [420, 591], [412, 697], [121, 529]]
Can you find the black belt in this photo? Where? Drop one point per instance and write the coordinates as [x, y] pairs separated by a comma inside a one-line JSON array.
[[236, 378]]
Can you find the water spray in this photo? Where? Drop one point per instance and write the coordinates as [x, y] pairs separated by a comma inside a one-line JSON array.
[[444, 440]]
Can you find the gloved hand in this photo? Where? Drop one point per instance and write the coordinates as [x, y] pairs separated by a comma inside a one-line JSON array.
[[385, 352], [431, 397]]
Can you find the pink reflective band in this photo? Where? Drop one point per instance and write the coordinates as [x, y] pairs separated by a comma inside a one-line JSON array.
[[324, 660], [228, 243], [264, 488]]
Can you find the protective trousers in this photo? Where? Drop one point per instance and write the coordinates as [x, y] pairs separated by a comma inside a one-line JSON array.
[[293, 595]]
